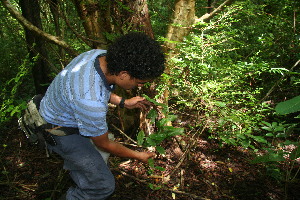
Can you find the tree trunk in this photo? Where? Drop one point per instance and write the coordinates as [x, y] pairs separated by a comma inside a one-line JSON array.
[[141, 18], [36, 46], [55, 11], [96, 20], [131, 15], [183, 18]]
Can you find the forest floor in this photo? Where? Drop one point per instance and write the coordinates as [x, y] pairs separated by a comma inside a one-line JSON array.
[[204, 171]]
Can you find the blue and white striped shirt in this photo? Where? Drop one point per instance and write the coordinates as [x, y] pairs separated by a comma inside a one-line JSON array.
[[78, 96]]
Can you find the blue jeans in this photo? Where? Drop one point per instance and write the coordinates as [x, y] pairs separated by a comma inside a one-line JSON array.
[[93, 178]]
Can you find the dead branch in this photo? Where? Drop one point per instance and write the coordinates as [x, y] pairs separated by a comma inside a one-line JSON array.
[[209, 16]]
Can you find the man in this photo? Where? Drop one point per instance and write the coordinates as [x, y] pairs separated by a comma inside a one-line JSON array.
[[78, 97]]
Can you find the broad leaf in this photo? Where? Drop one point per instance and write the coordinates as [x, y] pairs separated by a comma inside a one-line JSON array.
[[160, 150], [140, 138], [289, 106]]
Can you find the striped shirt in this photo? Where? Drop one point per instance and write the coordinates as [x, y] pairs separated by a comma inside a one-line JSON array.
[[78, 96]]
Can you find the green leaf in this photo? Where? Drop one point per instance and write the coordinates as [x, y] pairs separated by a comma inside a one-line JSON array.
[[220, 104], [160, 168], [150, 142], [152, 115], [153, 101], [160, 150], [151, 162], [158, 137], [267, 128], [260, 139], [154, 187], [270, 134], [269, 157], [140, 138], [289, 106]]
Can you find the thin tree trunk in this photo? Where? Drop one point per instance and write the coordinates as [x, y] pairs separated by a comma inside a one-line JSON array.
[[54, 8], [36, 46]]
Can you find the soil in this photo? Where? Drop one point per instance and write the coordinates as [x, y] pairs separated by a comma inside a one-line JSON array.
[[206, 171]]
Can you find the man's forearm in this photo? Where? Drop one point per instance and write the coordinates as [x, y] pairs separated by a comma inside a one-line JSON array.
[[118, 149], [115, 99]]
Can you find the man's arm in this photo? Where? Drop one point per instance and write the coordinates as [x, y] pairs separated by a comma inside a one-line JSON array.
[[134, 102], [118, 149]]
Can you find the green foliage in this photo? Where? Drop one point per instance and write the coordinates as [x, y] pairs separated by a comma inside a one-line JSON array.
[[276, 151], [11, 105], [225, 67], [163, 129]]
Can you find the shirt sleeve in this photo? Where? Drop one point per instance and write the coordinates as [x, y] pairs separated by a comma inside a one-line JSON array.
[[91, 117]]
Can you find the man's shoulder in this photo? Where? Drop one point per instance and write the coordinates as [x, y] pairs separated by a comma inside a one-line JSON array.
[[94, 52]]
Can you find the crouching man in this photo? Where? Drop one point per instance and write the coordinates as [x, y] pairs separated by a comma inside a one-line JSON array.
[[78, 99]]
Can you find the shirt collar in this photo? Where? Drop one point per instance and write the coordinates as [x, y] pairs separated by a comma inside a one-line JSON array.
[[100, 72]]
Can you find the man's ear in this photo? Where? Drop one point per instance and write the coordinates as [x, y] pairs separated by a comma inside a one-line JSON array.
[[123, 75]]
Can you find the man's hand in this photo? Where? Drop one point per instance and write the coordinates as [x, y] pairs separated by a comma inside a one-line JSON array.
[[144, 156], [118, 149], [137, 102]]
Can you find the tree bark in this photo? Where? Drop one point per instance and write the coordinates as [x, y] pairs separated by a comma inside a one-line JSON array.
[[141, 18], [183, 18], [131, 15], [36, 46], [96, 20]]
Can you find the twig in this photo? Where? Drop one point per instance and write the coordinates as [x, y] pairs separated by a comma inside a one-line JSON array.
[[129, 138], [188, 147], [60, 177]]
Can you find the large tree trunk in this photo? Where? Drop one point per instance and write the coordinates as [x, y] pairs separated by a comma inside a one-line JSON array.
[[96, 20], [131, 15], [36, 46], [183, 18], [141, 18]]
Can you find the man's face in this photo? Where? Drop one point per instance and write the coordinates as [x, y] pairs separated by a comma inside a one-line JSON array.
[[127, 82]]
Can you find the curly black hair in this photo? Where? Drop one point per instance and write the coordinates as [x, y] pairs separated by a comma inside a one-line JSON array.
[[136, 53]]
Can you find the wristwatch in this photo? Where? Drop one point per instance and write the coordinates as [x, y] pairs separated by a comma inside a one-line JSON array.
[[122, 103]]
